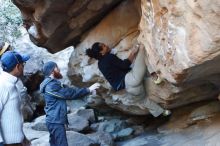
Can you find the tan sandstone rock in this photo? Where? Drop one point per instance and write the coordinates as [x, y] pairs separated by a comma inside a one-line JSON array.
[[181, 39], [58, 24]]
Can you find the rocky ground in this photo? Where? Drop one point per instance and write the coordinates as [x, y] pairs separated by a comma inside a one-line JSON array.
[[192, 125], [196, 125]]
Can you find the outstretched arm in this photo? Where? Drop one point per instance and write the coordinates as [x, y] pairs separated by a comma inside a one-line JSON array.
[[64, 92], [133, 53]]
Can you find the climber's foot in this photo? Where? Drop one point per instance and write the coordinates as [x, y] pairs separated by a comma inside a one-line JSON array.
[[166, 113], [157, 79]]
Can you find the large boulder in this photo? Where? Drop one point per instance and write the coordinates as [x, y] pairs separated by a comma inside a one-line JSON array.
[[77, 123], [181, 40], [103, 138], [115, 31], [186, 67], [58, 24], [73, 138]]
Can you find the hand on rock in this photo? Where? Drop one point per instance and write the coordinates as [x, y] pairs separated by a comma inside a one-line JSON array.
[[135, 49], [94, 87], [141, 46]]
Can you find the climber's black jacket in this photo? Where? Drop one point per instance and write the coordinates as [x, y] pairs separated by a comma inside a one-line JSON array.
[[114, 70]]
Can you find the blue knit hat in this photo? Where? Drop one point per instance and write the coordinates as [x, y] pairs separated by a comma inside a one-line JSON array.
[[11, 58], [49, 67]]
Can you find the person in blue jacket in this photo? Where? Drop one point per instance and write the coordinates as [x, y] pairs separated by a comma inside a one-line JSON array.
[[55, 95]]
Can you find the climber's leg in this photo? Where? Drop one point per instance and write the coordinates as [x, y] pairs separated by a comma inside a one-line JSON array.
[[154, 108], [136, 91], [136, 75]]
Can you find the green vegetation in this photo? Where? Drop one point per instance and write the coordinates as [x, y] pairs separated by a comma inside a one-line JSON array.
[[10, 21]]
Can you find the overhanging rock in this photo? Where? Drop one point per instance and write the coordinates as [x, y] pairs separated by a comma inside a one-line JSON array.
[[181, 39], [57, 24]]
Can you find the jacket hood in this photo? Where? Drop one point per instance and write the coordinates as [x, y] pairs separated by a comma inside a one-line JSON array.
[[44, 83]]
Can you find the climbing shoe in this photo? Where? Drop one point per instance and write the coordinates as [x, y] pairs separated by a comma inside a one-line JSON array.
[[158, 81], [166, 113], [156, 78]]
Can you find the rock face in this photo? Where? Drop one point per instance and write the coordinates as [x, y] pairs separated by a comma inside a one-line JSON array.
[[116, 33], [181, 40], [56, 25], [175, 58]]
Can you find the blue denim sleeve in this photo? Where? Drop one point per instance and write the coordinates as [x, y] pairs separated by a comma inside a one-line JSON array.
[[57, 90]]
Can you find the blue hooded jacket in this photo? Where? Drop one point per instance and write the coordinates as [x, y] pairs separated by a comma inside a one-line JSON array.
[[55, 95]]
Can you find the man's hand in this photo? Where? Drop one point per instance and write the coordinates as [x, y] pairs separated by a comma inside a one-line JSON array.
[[94, 87]]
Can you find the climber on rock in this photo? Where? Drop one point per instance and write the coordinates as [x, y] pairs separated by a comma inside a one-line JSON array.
[[121, 76], [117, 71], [55, 95]]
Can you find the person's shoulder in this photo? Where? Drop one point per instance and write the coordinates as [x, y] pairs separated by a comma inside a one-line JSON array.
[[51, 84], [47, 81], [4, 86], [54, 82], [3, 80], [109, 56], [106, 60]]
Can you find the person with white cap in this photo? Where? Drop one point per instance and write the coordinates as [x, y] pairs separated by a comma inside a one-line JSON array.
[[11, 119], [55, 95]]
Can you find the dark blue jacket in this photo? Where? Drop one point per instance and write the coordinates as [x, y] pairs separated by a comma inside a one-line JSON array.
[[55, 95], [114, 70]]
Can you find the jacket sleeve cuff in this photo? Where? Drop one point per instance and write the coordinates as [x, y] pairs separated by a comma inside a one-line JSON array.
[[88, 91]]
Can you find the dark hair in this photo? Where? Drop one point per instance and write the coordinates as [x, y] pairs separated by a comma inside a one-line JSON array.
[[95, 51]]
